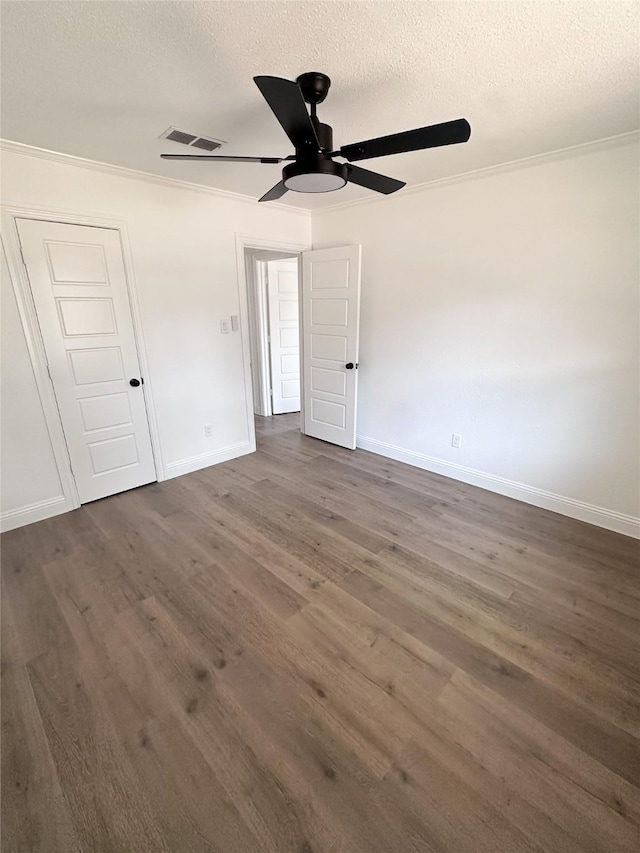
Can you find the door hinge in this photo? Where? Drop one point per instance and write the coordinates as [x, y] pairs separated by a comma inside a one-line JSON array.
[[24, 263], [49, 372], [271, 392]]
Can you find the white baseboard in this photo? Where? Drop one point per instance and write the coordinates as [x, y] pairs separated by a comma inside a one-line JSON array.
[[203, 460], [33, 512], [601, 517]]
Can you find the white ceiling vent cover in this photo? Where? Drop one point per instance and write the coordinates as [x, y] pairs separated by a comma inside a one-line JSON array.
[[205, 143]]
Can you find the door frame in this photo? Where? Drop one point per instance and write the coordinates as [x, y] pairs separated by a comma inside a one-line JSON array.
[[243, 242], [255, 270], [35, 345]]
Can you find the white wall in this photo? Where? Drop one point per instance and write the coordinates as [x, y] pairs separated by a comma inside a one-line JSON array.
[[505, 308], [184, 262]]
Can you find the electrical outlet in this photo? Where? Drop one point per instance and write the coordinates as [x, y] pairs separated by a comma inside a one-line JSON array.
[[456, 440], [224, 327], [208, 430], [235, 323]]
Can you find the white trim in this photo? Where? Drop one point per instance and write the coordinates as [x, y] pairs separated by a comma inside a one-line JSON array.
[[126, 172], [203, 460], [601, 517], [26, 307], [243, 242], [258, 332], [499, 168], [34, 512], [260, 282]]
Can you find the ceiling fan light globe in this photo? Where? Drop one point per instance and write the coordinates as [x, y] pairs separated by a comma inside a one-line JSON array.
[[314, 182], [319, 175]]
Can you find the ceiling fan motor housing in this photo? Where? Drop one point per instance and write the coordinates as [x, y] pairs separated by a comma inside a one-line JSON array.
[[324, 132]]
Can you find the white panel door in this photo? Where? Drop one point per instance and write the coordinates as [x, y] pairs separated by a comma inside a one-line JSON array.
[[331, 319], [284, 331], [79, 288]]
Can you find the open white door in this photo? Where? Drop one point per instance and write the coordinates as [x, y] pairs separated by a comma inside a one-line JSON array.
[[79, 287], [284, 331], [331, 321]]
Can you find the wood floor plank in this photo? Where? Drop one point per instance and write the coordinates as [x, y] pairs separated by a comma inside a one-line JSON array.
[[47, 540], [211, 521], [372, 514], [164, 667], [352, 705], [320, 767], [612, 746], [554, 534], [446, 492], [542, 645], [35, 815], [288, 499], [313, 544], [525, 564], [37, 621], [315, 650], [386, 491], [108, 809], [143, 546], [337, 627], [194, 813], [595, 806], [473, 826], [275, 594], [489, 793]]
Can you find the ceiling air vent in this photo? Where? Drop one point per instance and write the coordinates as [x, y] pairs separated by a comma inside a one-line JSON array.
[[180, 136], [194, 140], [206, 144]]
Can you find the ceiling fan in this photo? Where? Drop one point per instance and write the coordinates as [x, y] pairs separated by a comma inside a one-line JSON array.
[[312, 168]]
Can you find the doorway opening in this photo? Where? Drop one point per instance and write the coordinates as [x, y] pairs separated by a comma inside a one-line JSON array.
[[274, 330], [327, 287]]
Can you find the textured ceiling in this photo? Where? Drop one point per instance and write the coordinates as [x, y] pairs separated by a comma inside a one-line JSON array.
[[103, 79]]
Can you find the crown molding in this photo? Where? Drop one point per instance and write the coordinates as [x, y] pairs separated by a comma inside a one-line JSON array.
[[500, 168], [124, 172], [485, 171]]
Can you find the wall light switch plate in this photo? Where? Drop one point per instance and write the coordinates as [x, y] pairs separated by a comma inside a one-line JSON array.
[[235, 323], [225, 327], [456, 440]]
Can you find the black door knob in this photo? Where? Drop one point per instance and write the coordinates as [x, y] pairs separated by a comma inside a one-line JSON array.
[[349, 366], [134, 382]]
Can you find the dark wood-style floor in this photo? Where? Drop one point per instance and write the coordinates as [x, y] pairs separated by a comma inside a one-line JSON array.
[[308, 649]]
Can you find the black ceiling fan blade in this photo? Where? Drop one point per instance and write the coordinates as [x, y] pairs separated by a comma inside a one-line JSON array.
[[288, 105], [221, 158], [448, 133], [275, 192], [373, 180]]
